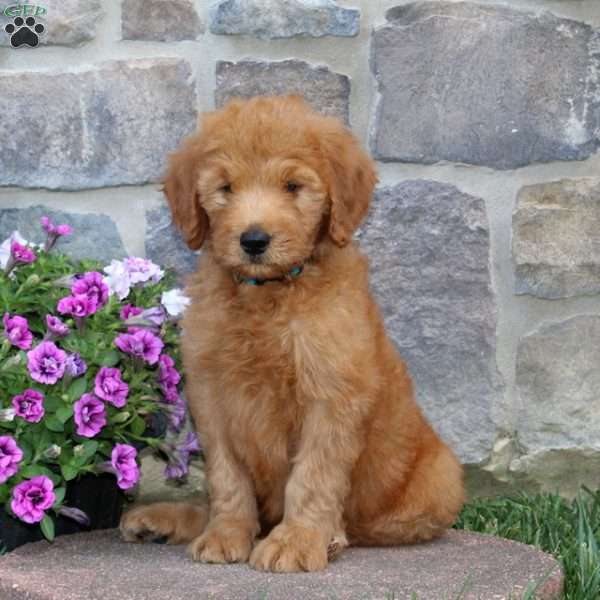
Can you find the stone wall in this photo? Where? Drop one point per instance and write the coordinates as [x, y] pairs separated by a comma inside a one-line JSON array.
[[484, 235]]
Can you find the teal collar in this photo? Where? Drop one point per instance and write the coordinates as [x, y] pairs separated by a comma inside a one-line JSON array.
[[295, 272]]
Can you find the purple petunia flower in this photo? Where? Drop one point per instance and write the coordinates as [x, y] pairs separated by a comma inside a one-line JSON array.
[[75, 365], [130, 311], [29, 405], [46, 363], [10, 457], [176, 468], [92, 286], [56, 328], [16, 330], [179, 460], [150, 317], [110, 387], [141, 344], [21, 254], [31, 498], [168, 376], [90, 415], [123, 460], [175, 409], [79, 306]]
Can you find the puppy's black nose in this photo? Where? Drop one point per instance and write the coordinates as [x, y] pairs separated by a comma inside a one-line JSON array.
[[254, 241]]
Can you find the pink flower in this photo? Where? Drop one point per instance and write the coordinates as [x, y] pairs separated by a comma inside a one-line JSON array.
[[141, 344], [110, 387], [21, 254], [54, 232], [123, 460], [46, 363], [31, 498], [29, 405], [129, 311], [89, 415], [16, 330], [142, 270], [92, 286], [49, 227], [80, 305], [10, 457], [56, 328]]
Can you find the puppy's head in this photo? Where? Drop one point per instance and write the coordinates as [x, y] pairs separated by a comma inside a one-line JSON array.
[[266, 180]]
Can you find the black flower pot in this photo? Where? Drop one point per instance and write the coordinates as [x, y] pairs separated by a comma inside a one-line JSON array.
[[98, 496]]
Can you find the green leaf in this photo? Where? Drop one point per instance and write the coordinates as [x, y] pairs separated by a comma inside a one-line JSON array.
[[138, 426], [109, 358], [69, 471], [53, 424], [77, 389], [60, 496], [33, 471], [47, 527], [64, 413], [51, 403]]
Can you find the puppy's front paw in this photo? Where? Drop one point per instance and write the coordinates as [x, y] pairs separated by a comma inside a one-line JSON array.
[[148, 523], [290, 548], [177, 523], [222, 542]]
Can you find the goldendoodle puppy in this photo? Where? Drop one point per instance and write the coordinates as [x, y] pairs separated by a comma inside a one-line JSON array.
[[312, 436]]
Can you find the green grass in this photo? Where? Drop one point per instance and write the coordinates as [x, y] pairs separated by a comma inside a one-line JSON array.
[[570, 530]]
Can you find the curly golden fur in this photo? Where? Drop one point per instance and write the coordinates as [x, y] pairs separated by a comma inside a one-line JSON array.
[[312, 435]]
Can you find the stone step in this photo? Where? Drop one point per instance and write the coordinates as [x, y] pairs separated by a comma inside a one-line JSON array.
[[99, 566]]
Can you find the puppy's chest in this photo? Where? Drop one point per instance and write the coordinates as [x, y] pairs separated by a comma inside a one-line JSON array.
[[256, 359]]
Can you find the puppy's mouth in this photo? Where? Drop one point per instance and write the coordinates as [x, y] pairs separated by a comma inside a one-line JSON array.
[[264, 266]]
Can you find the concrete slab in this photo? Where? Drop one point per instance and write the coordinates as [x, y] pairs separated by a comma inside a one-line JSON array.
[[99, 566]]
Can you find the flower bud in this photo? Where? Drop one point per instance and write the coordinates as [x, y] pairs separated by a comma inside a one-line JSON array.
[[74, 513], [52, 451], [33, 279], [120, 417], [78, 450], [7, 415]]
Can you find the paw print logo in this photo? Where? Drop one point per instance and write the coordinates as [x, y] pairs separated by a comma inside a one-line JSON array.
[[24, 32]]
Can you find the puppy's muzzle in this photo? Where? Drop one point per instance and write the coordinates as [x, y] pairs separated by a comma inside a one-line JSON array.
[[254, 241]]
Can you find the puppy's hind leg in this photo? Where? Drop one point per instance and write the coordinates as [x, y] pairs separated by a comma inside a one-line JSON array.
[[179, 523]]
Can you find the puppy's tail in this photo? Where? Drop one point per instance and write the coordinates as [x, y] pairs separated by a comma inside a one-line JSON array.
[[175, 522]]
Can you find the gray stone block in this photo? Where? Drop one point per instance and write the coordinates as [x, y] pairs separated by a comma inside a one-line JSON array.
[[66, 22], [558, 422], [272, 19], [160, 20], [94, 236], [326, 91], [485, 85], [556, 239], [428, 245], [558, 381], [164, 244], [111, 124]]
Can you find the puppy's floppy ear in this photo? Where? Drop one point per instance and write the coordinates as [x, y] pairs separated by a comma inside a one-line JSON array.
[[180, 188], [352, 178]]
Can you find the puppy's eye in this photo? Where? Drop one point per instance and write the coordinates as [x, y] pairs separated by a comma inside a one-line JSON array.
[[292, 186], [226, 189]]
